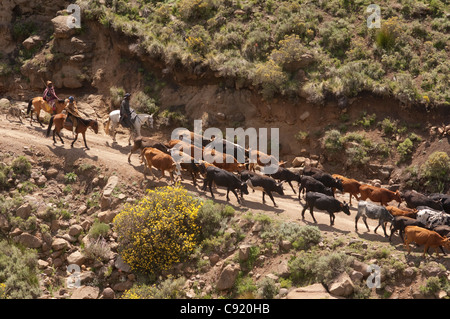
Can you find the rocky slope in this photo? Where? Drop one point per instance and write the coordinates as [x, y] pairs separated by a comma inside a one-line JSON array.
[[35, 46]]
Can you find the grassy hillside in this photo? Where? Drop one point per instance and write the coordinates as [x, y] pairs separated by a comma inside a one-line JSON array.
[[314, 49]]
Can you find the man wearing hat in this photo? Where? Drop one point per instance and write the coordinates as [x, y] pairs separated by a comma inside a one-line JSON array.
[[72, 112], [50, 95], [125, 112]]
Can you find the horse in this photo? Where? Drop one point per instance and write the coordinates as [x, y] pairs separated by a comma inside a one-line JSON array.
[[39, 104], [60, 123], [114, 118]]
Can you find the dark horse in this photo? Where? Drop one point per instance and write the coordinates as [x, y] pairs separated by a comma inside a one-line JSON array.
[[60, 123]]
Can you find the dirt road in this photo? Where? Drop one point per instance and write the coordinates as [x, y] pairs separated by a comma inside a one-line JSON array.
[[16, 137]]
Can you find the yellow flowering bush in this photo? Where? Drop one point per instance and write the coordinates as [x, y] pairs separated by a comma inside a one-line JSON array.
[[159, 230], [3, 291], [270, 77]]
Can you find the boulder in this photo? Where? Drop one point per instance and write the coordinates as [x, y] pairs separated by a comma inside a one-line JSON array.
[[342, 285], [244, 252], [86, 292], [361, 267], [123, 285], [105, 200], [59, 243], [106, 216], [228, 276], [108, 293], [31, 42], [121, 265], [75, 230], [315, 291], [24, 211], [5, 104], [29, 240], [61, 26], [51, 172], [76, 258]]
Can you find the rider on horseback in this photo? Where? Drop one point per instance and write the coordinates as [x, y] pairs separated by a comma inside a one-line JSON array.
[[126, 116], [50, 96], [73, 116]]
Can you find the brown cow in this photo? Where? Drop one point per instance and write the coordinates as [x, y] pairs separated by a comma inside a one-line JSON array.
[[263, 160], [379, 194], [349, 185], [222, 160], [142, 142], [159, 160], [407, 212], [423, 236], [191, 149]]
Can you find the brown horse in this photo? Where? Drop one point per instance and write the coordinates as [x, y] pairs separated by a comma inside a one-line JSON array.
[[39, 104], [60, 123]]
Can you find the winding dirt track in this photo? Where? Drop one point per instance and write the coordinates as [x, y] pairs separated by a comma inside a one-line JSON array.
[[16, 137]]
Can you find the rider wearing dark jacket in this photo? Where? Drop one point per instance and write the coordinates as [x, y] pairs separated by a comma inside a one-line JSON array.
[[125, 111]]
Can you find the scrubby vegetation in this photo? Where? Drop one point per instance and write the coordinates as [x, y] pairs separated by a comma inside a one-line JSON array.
[[296, 48], [18, 272]]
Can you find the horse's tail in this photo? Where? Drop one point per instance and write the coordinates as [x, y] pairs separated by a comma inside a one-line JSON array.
[[29, 106], [50, 125], [107, 126]]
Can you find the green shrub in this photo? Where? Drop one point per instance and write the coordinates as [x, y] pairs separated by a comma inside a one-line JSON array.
[[388, 126], [3, 180], [268, 288], [170, 288], [70, 178], [270, 77], [18, 272], [336, 37], [98, 229], [405, 149], [117, 94], [245, 287], [98, 250], [301, 237], [213, 217], [195, 9], [332, 141], [387, 35], [161, 229], [310, 267], [143, 103], [21, 165], [432, 286], [436, 171]]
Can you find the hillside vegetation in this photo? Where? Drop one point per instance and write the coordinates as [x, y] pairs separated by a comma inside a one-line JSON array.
[[312, 49]]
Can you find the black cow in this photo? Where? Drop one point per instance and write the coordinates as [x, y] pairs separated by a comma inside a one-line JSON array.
[[284, 174], [328, 180], [309, 170], [414, 199], [324, 202], [444, 199], [443, 230], [226, 179], [400, 222], [266, 185], [310, 184]]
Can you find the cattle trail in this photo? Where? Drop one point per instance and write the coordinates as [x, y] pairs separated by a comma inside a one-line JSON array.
[[16, 137]]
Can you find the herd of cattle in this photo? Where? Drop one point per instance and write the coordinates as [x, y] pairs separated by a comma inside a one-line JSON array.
[[425, 219]]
